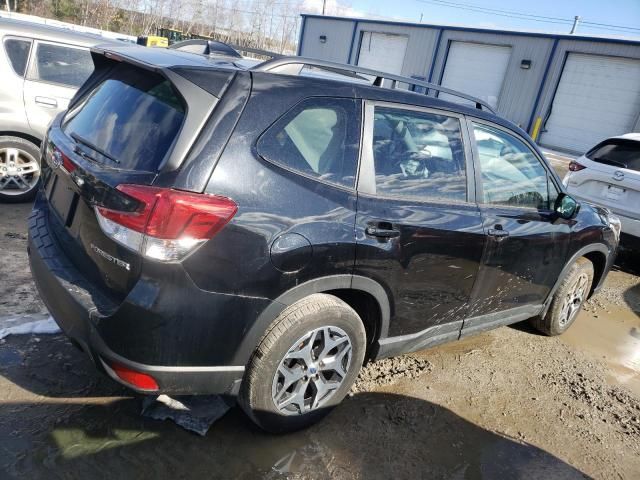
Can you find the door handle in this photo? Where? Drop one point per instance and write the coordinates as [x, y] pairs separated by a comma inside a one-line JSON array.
[[382, 232], [47, 102], [498, 233]]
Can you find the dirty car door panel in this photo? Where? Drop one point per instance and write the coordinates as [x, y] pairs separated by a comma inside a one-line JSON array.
[[417, 234], [527, 242]]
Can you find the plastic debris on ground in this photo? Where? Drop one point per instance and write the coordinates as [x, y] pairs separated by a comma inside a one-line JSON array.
[[28, 324], [195, 413]]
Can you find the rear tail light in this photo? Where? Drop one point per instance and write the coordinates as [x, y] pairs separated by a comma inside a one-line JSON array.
[[169, 224], [134, 378], [575, 166]]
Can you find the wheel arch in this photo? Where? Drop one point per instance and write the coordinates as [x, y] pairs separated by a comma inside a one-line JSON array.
[[24, 135], [597, 253], [366, 296]]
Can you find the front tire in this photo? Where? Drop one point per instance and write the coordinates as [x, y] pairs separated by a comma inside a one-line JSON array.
[[304, 365], [19, 169], [567, 300]]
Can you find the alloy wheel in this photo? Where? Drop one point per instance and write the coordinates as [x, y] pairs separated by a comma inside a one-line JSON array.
[[312, 371], [574, 300], [19, 171]]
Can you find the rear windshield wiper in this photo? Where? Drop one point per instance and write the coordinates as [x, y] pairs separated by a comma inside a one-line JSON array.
[[87, 143]]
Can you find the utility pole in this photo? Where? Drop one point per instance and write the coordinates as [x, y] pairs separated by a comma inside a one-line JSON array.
[[421, 15], [576, 21], [324, 6]]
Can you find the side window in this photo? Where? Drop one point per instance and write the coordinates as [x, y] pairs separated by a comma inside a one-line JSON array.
[[511, 173], [418, 155], [60, 64], [319, 137], [18, 53]]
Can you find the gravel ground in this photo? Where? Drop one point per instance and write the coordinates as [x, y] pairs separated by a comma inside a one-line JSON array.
[[19, 295], [505, 404]]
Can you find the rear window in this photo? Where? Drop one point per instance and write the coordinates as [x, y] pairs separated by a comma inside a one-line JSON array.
[[617, 153], [129, 121]]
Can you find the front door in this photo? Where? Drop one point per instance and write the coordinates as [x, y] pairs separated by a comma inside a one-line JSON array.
[[527, 242], [418, 228], [55, 73]]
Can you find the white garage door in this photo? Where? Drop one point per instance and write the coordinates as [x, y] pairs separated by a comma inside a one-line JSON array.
[[382, 52], [597, 97], [476, 69]]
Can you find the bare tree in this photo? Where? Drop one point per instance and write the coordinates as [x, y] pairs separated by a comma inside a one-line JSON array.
[[267, 24]]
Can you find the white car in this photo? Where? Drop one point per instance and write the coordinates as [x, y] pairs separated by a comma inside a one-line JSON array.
[[609, 175]]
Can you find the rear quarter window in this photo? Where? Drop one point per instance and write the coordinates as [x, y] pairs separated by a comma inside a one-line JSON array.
[[129, 121], [64, 65], [18, 53], [318, 138], [617, 153]]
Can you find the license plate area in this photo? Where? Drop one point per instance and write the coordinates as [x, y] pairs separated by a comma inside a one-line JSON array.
[[613, 192], [62, 198]]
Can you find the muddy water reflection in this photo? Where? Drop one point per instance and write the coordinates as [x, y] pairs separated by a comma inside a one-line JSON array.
[[615, 338], [372, 435]]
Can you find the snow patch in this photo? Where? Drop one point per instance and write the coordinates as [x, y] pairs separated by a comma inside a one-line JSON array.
[[44, 326]]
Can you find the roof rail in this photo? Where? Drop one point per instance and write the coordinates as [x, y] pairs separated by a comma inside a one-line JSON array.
[[294, 65]]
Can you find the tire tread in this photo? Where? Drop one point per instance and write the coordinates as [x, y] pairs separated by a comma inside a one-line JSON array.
[[289, 317], [547, 324]]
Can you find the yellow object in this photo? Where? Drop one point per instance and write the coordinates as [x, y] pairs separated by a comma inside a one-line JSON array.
[[153, 41], [536, 128]]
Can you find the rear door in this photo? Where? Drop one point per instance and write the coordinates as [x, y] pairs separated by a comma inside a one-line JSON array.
[[418, 229], [55, 73], [14, 58], [118, 134], [527, 242]]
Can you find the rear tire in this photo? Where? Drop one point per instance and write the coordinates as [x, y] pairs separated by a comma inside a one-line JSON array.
[[16, 152], [311, 341], [567, 300]]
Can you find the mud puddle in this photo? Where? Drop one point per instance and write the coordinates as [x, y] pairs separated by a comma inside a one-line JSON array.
[[615, 340]]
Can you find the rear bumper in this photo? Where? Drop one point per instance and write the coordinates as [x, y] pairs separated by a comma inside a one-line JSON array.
[[78, 309], [630, 242]]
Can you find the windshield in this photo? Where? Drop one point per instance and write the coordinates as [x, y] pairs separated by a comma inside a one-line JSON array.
[[129, 121]]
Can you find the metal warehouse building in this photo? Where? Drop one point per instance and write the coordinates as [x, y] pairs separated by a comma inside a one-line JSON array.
[[567, 91]]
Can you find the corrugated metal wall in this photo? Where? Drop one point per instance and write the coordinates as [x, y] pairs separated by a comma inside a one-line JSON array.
[[338, 33], [526, 93]]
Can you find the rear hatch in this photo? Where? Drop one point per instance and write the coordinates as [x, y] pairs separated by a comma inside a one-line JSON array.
[[102, 160], [612, 177]]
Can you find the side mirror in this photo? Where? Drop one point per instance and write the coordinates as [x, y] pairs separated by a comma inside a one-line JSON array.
[[566, 206]]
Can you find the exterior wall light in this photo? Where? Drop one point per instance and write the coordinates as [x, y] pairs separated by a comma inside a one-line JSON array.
[[525, 64]]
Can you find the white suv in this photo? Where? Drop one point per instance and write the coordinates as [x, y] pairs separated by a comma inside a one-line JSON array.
[[609, 175], [41, 68]]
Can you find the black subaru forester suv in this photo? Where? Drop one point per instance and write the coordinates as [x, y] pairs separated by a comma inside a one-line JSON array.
[[205, 227]]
